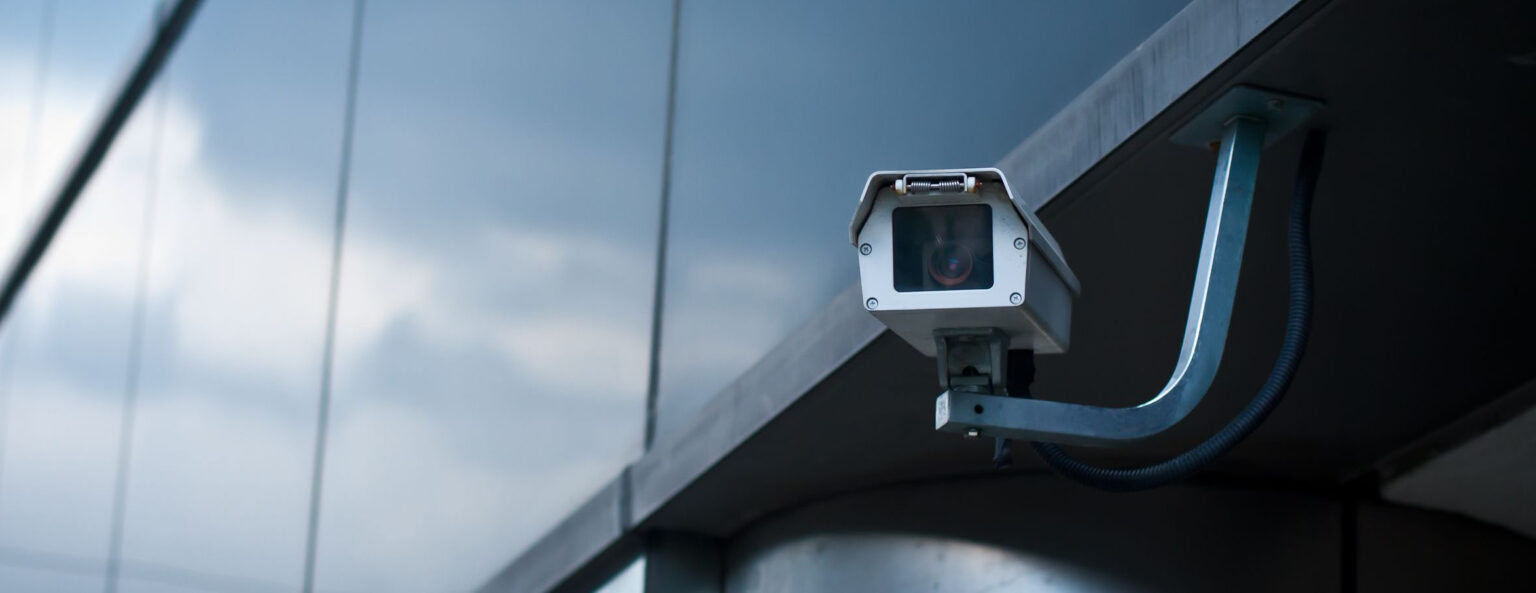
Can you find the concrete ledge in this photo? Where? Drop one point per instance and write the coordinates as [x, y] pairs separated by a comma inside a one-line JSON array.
[[1116, 113]]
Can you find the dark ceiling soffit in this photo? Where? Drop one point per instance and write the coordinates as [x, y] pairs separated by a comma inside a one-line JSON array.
[[169, 27], [1159, 85]]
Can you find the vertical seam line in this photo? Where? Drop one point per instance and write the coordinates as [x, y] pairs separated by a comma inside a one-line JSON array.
[[658, 297], [135, 351], [322, 420]]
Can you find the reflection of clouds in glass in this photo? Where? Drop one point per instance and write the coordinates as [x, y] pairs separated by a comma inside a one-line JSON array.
[[480, 396], [238, 285], [68, 341], [493, 328], [27, 175], [18, 73], [227, 312], [540, 300], [62, 442], [495, 305], [90, 45], [60, 464]]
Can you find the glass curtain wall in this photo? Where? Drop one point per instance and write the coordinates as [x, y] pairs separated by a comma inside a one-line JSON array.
[[70, 363], [495, 304], [65, 346], [222, 450]]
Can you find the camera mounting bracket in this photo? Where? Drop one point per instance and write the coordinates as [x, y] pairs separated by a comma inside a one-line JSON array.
[[973, 360], [1247, 120]]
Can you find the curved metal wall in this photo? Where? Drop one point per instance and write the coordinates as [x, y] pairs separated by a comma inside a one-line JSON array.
[[897, 563], [978, 535], [972, 535]]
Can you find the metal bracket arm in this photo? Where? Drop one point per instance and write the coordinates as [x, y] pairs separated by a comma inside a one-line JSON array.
[[1205, 331]]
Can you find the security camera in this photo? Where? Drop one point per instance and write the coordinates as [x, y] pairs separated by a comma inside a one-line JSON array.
[[952, 262], [952, 253]]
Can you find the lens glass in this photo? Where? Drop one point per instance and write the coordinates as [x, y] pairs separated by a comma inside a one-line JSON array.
[[942, 247]]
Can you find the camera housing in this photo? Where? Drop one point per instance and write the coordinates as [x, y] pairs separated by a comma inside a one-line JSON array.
[[954, 250]]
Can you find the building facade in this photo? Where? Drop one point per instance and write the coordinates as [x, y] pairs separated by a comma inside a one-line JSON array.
[[380, 295]]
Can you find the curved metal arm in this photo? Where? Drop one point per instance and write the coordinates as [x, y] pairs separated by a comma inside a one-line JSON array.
[[1205, 332]]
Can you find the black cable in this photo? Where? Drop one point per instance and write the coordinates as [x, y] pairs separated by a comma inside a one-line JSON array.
[[1297, 324]]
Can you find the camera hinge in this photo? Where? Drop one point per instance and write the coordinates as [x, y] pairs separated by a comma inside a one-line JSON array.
[[919, 184]]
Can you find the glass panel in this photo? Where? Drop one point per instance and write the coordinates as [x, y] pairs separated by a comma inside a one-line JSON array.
[[495, 310], [88, 48], [783, 110], [239, 278], [22, 35], [69, 364]]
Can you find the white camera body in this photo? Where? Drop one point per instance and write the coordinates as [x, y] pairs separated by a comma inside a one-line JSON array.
[[953, 249]]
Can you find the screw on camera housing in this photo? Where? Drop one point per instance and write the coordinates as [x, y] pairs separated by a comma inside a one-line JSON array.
[[871, 304], [865, 249]]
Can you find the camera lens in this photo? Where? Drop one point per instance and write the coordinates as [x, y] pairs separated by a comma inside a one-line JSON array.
[[951, 263], [946, 247]]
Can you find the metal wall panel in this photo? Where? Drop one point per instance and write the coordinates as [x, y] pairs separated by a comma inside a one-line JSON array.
[[1042, 534]]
